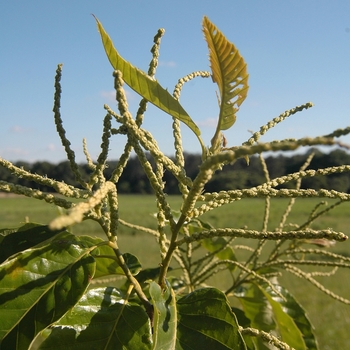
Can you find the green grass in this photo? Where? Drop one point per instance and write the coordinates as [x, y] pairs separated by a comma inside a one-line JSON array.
[[330, 318]]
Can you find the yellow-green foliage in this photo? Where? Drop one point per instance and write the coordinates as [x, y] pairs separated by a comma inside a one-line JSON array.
[[264, 311]]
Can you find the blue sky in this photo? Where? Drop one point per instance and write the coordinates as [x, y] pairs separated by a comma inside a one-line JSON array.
[[297, 51]]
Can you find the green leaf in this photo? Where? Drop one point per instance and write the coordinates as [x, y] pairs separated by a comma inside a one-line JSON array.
[[102, 319], [148, 274], [164, 321], [244, 322], [268, 315], [16, 240], [223, 251], [258, 311], [144, 85], [197, 225], [229, 71], [106, 263], [292, 308], [206, 321], [39, 285], [286, 327]]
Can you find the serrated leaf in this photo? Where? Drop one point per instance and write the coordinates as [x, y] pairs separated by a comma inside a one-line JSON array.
[[229, 71], [165, 317], [39, 285], [268, 315], [144, 85], [16, 240], [101, 319], [206, 321], [292, 308]]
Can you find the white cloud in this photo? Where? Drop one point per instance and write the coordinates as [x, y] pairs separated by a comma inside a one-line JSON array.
[[208, 123], [130, 94], [11, 152], [110, 95], [16, 129], [51, 147], [170, 64]]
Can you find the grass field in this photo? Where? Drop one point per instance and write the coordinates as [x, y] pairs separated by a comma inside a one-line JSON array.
[[330, 318]]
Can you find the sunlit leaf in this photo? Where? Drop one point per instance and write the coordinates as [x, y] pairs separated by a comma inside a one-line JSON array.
[[106, 263], [102, 319], [268, 315], [27, 236], [258, 311], [144, 85], [229, 71], [164, 322], [286, 327], [206, 321], [39, 286], [296, 312]]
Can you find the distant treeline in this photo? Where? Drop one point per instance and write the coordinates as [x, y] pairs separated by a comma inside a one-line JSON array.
[[236, 176]]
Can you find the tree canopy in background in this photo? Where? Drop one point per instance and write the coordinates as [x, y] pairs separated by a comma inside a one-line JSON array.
[[236, 176]]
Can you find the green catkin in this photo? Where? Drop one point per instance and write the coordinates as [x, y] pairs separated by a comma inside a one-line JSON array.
[[256, 136], [290, 206], [60, 130], [79, 211], [297, 187], [102, 204], [211, 270], [156, 184], [307, 173], [306, 262], [250, 272], [339, 133], [139, 228], [180, 259], [324, 274], [315, 209], [97, 175], [262, 192], [266, 337], [243, 247], [318, 252], [117, 172], [187, 78], [114, 213], [89, 160], [179, 155], [272, 235], [161, 219], [59, 187], [267, 199], [144, 138], [299, 273], [155, 52], [313, 216], [208, 167], [32, 193], [141, 110]]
